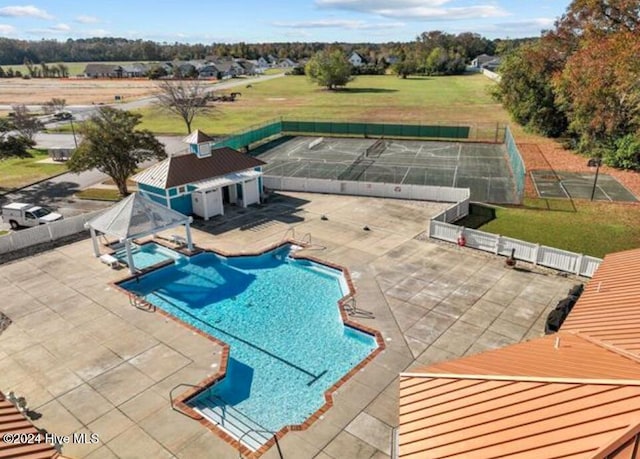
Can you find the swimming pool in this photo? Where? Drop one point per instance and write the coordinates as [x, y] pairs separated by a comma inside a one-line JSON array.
[[146, 255], [288, 343]]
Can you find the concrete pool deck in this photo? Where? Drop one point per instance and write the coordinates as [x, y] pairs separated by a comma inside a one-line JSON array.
[[88, 361]]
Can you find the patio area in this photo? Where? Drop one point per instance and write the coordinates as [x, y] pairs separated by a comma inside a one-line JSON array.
[[88, 361]]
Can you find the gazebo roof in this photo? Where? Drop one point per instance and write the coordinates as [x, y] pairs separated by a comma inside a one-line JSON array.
[[137, 216]]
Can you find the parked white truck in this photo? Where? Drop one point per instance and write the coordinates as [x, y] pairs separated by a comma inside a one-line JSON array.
[[19, 214]]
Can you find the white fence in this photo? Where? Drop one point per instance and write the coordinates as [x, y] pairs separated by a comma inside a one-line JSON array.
[[537, 254], [45, 233], [492, 75], [373, 189]]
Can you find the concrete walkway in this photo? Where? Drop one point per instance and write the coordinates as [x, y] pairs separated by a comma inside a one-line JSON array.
[[90, 362]]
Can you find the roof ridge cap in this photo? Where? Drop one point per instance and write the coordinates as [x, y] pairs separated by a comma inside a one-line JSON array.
[[607, 346]]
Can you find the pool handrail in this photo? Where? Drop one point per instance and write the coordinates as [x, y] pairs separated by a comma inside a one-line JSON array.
[[172, 400], [228, 407]]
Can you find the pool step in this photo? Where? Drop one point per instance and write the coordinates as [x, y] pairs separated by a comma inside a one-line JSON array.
[[232, 421]]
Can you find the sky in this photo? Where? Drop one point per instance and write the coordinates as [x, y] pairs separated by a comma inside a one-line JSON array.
[[253, 21]]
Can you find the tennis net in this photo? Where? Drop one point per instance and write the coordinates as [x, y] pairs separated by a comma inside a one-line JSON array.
[[376, 149]]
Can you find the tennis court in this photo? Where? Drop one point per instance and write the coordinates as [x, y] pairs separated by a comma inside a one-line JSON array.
[[568, 185], [481, 167]]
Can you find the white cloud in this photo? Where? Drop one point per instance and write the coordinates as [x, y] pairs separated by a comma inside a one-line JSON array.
[[535, 24], [426, 10], [338, 23], [97, 33], [83, 19], [60, 28], [24, 11], [6, 29], [53, 30], [373, 5]]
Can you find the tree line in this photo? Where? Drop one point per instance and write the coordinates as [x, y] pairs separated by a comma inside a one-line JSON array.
[[581, 81], [16, 52]]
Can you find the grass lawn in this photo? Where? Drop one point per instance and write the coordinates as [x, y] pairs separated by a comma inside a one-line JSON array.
[[18, 172], [584, 227], [99, 194], [367, 98]]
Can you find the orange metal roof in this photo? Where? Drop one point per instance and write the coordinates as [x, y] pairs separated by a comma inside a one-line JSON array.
[[575, 394], [13, 421], [609, 308], [480, 417], [576, 356]]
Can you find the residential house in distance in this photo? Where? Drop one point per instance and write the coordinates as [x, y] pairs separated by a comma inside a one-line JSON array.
[[272, 60], [204, 180], [286, 63], [136, 70], [184, 69], [227, 68], [356, 59], [485, 61], [208, 71], [103, 71], [262, 63], [391, 60], [249, 68]]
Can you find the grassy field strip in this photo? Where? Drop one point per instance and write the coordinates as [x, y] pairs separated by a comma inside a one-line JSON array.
[[368, 98], [18, 172], [585, 227]]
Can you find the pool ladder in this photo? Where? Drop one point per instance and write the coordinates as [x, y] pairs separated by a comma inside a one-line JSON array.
[[305, 241], [140, 303], [350, 307]]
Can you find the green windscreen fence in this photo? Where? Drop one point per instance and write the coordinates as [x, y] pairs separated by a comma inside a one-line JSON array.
[[320, 128], [254, 135], [517, 164], [258, 134]]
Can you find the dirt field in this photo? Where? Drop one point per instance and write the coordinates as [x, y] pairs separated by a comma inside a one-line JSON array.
[[75, 91]]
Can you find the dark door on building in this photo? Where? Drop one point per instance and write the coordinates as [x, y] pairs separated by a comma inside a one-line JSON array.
[[225, 195]]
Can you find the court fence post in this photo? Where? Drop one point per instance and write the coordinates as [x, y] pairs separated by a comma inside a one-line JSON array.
[[496, 249], [536, 251]]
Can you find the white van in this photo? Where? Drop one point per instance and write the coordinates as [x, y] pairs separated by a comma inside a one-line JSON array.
[[19, 214]]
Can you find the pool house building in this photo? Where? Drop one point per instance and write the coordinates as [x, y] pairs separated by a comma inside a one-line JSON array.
[[204, 179]]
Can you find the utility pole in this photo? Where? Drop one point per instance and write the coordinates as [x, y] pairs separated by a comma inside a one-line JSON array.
[[73, 131], [595, 162]]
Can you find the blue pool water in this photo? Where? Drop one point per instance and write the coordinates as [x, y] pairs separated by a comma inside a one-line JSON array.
[[288, 343], [146, 255]]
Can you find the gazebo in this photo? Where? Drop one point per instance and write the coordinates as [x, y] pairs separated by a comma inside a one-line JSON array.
[[134, 217]]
